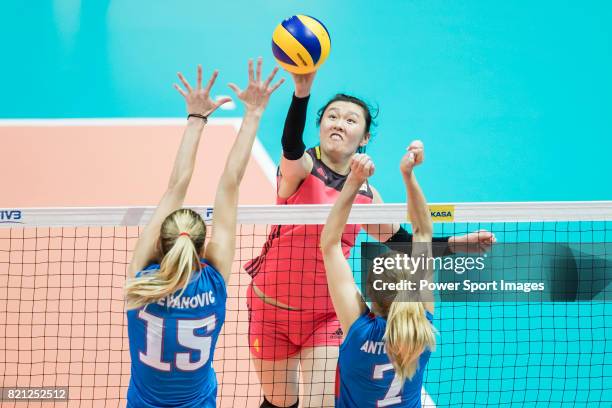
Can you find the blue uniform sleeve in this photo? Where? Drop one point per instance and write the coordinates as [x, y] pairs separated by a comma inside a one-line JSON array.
[[149, 269], [216, 277], [356, 329]]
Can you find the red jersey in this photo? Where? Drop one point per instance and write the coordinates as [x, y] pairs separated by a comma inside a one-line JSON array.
[[290, 267]]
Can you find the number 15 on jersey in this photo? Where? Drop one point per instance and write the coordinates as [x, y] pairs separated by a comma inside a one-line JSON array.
[[185, 336]]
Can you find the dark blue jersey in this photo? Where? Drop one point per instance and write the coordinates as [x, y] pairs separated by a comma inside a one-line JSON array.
[[365, 376], [172, 343]]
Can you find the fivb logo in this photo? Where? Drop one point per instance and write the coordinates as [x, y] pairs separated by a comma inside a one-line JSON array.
[[10, 217]]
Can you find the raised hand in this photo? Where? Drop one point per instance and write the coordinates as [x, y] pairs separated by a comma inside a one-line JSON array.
[[198, 100], [257, 93], [303, 83], [362, 167], [415, 155]]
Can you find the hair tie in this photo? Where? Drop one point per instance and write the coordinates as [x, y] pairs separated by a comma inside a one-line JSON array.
[[185, 234]]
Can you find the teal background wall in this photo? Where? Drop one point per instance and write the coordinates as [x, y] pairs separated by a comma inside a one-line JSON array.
[[512, 99]]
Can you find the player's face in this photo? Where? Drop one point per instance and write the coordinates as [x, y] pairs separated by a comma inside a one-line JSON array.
[[343, 129]]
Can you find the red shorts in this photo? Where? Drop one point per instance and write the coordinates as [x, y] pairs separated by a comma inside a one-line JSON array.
[[276, 333]]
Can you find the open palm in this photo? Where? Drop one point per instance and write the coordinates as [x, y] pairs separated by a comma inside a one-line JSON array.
[[257, 93], [198, 100]]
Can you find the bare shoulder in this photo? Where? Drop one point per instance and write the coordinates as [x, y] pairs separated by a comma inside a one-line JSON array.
[[377, 198], [292, 173]]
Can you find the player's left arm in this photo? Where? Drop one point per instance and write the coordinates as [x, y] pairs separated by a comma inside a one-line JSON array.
[[419, 216], [473, 242], [344, 293], [198, 102], [220, 250], [395, 233]]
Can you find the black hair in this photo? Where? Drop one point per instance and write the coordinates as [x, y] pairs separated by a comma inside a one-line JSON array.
[[370, 112]]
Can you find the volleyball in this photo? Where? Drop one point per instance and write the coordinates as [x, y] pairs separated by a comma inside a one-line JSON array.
[[301, 44]]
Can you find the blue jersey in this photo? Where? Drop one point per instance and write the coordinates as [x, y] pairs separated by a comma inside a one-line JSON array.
[[172, 344], [365, 376]]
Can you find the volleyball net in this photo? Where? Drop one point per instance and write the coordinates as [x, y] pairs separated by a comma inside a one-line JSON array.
[[63, 323]]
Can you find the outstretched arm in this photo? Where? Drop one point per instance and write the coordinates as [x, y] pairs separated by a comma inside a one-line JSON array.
[[220, 250], [295, 165], [474, 242], [342, 288], [198, 102], [419, 215], [396, 234], [418, 212]]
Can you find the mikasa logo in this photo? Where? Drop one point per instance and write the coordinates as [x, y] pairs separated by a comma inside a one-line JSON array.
[[441, 214], [444, 212]]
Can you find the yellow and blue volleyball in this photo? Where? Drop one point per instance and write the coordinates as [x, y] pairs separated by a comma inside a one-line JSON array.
[[301, 44]]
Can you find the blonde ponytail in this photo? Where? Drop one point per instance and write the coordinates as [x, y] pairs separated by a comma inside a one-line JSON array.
[[407, 335], [181, 240], [408, 331]]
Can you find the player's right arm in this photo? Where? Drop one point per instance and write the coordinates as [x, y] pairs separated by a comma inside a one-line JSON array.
[[418, 212], [342, 288], [220, 250], [198, 102], [295, 164]]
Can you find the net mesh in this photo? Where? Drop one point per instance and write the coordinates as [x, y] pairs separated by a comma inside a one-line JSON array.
[[63, 322]]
